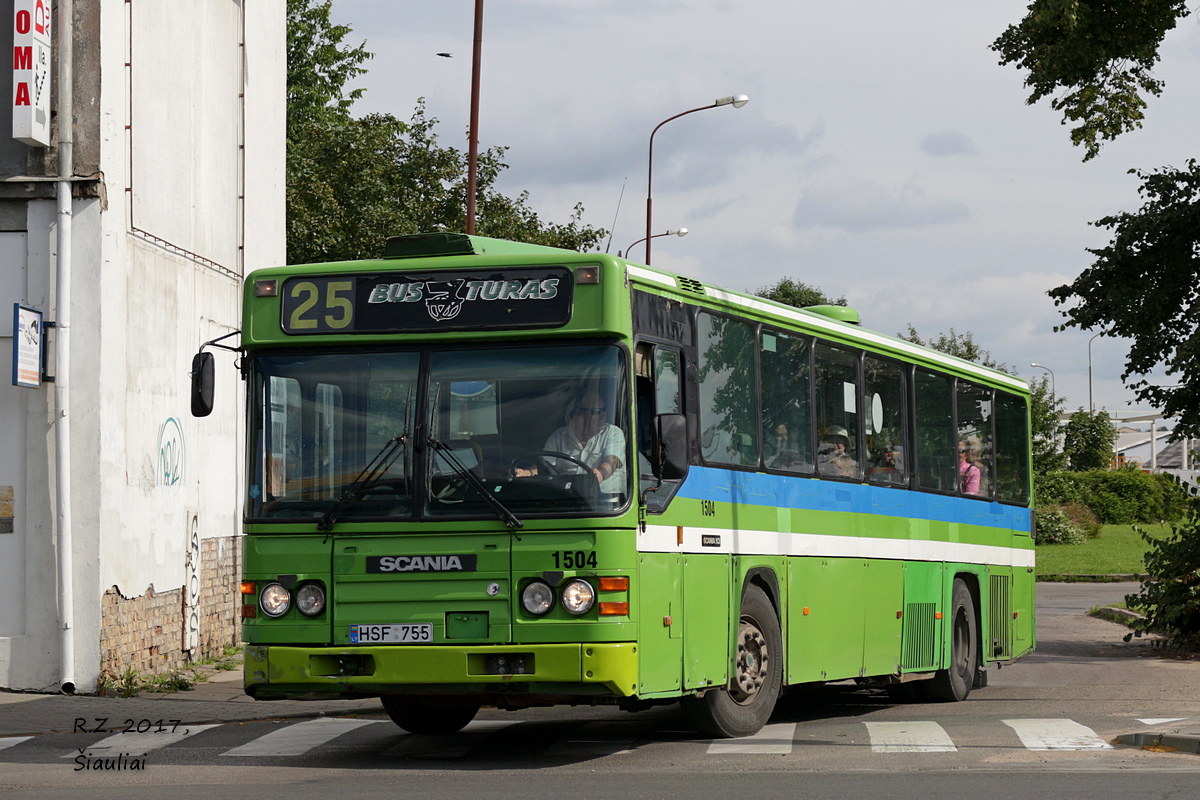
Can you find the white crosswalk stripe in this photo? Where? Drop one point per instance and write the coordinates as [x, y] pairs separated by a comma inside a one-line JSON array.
[[450, 745], [774, 739], [909, 737], [134, 745], [9, 741], [298, 739], [1056, 734]]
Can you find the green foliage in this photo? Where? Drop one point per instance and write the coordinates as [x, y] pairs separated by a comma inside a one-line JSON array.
[[1054, 527], [1116, 497], [1145, 286], [1083, 518], [351, 183], [1093, 58], [1088, 439], [1171, 598], [798, 294], [959, 345], [1044, 408]]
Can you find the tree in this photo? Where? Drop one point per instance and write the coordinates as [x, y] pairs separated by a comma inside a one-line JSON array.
[[1145, 286], [1088, 439], [798, 294], [1096, 56], [353, 182], [955, 344], [1044, 425]]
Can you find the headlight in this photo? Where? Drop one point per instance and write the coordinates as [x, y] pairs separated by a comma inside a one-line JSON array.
[[274, 600], [538, 598], [310, 599], [578, 596]]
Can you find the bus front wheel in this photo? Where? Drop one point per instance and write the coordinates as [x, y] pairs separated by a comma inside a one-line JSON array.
[[745, 705], [953, 684], [418, 718]]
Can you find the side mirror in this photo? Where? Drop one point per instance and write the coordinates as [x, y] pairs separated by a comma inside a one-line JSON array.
[[669, 454], [202, 384]]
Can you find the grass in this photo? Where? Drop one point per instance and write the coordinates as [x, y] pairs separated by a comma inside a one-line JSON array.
[[1118, 550]]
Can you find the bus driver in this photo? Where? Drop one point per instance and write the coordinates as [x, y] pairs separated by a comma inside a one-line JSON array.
[[589, 438]]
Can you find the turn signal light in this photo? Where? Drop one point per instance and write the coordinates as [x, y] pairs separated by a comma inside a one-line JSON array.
[[615, 584], [247, 587], [614, 609]]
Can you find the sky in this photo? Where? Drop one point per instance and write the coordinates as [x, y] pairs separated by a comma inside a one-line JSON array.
[[884, 155]]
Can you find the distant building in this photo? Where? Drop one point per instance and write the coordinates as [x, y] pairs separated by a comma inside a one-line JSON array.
[[174, 191]]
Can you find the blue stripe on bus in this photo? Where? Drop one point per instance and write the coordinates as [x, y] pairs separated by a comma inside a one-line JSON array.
[[783, 491]]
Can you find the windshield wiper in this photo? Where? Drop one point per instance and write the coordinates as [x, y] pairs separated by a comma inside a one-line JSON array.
[[371, 475], [507, 517]]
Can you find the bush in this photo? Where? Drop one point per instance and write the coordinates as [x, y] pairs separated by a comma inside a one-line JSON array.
[[1053, 527], [1171, 598], [1117, 496], [1082, 518]]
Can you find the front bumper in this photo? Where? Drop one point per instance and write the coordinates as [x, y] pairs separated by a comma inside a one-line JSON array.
[[276, 672]]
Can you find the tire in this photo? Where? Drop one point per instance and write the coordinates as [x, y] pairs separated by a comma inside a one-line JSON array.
[[743, 707], [418, 718], [954, 683]]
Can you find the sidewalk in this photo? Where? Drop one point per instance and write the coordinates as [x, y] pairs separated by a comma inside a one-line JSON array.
[[219, 699]]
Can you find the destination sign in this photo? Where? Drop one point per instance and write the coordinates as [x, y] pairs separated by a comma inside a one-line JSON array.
[[395, 302]]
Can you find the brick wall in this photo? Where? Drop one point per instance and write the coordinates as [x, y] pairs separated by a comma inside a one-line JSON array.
[[147, 632]]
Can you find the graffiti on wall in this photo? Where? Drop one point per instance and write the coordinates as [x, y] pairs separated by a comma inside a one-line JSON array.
[[171, 453]]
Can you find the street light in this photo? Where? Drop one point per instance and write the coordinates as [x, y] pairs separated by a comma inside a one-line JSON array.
[[473, 133], [1091, 405], [1039, 366], [670, 232], [737, 101]]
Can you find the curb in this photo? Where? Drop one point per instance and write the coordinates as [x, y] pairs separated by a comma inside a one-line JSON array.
[[1184, 742]]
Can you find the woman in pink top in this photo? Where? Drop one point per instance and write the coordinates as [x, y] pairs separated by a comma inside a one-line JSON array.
[[968, 473]]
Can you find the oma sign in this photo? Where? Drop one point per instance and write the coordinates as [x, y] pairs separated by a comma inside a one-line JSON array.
[[31, 72]]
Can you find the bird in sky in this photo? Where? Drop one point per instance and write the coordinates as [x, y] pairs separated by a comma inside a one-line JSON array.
[[446, 55]]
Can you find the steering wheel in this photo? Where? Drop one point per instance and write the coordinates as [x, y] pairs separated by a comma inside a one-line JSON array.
[[552, 470]]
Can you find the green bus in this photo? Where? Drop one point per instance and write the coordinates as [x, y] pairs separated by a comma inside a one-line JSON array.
[[489, 473]]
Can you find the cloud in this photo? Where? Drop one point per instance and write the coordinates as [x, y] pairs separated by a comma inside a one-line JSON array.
[[858, 206], [948, 143]]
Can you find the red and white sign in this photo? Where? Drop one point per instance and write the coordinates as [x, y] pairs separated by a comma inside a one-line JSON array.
[[31, 72]]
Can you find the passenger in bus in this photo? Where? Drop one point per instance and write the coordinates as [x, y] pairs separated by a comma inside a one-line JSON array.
[[970, 473], [587, 437], [833, 456], [785, 455]]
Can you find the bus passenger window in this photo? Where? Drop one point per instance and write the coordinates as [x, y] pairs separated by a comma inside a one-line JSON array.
[[837, 412], [883, 384], [934, 445], [787, 404], [976, 474], [728, 400], [1012, 449]]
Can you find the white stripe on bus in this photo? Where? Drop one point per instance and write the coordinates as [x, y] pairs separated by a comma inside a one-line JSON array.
[[664, 539]]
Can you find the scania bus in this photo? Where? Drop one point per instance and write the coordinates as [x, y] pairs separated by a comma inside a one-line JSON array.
[[488, 473]]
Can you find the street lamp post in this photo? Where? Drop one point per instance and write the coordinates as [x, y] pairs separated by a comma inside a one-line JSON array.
[[1039, 366], [473, 134], [1091, 405], [737, 101], [670, 232]]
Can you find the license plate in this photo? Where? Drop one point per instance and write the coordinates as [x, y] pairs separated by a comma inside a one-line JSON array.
[[391, 634]]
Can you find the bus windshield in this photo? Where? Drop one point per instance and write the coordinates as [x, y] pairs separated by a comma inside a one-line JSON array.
[[539, 430]]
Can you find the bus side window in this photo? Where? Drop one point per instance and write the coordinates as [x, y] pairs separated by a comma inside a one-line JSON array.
[[728, 396], [787, 419], [883, 383], [976, 473], [1012, 448], [658, 391], [836, 405], [934, 445]]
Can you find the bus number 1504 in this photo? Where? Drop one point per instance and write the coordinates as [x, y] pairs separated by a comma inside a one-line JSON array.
[[578, 559]]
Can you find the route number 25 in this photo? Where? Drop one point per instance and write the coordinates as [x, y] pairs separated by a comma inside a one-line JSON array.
[[310, 309]]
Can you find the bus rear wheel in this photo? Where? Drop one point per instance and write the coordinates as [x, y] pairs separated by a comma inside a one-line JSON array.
[[420, 718], [954, 684], [743, 707]]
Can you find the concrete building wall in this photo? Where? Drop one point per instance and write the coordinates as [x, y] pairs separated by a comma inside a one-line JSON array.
[[180, 124]]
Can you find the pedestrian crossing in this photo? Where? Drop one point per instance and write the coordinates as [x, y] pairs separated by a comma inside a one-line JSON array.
[[482, 739]]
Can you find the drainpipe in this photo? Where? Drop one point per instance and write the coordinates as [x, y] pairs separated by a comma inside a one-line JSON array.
[[62, 346]]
